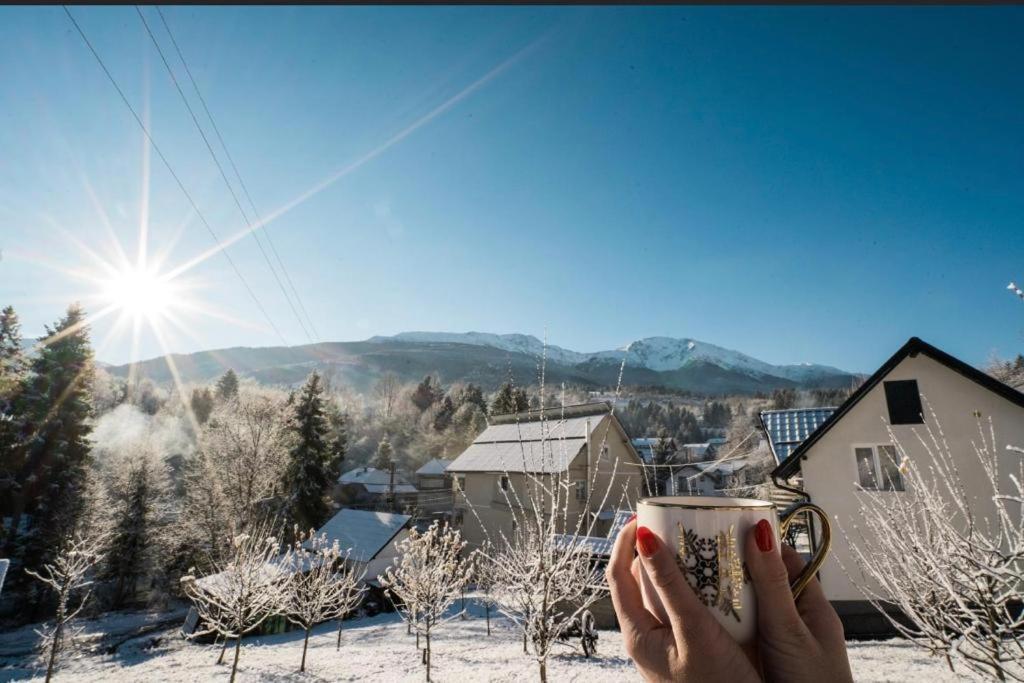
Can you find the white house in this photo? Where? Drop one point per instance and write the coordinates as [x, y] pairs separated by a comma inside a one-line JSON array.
[[851, 450], [371, 538], [583, 444]]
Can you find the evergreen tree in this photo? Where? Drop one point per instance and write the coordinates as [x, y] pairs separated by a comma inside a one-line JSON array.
[[444, 414], [12, 371], [12, 359], [308, 475], [50, 484], [338, 424], [385, 454], [470, 393], [509, 399], [227, 385], [201, 404], [427, 393]]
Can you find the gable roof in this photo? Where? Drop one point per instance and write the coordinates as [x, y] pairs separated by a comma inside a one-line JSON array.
[[366, 533], [434, 466], [787, 429], [912, 348], [537, 442]]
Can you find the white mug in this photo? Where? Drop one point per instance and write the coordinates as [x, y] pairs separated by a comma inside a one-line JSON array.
[[707, 535]]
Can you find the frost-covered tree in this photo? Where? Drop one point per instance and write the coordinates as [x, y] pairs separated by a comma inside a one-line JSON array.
[[308, 476], [206, 513], [68, 576], [386, 391], [138, 495], [427, 578], [246, 442], [54, 455], [324, 585], [227, 385], [243, 590], [954, 570], [201, 403], [427, 393], [385, 455], [509, 399], [12, 373]]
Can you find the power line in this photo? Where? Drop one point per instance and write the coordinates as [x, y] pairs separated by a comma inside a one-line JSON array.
[[220, 168], [234, 167], [174, 175]]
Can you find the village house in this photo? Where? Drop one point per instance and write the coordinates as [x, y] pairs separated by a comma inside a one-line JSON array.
[[584, 444], [371, 488], [832, 454], [435, 487]]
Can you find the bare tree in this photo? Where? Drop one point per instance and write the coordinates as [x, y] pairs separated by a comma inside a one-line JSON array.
[[323, 586], [249, 586], [386, 391], [427, 578], [485, 577], [68, 576], [246, 441], [955, 571]]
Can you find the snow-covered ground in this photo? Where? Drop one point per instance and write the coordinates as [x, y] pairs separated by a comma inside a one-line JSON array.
[[378, 649]]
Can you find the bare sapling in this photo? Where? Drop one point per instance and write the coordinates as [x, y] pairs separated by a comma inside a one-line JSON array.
[[68, 576], [244, 589], [320, 588], [950, 560], [427, 578]]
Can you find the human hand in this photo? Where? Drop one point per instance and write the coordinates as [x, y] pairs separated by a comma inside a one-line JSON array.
[[693, 646]]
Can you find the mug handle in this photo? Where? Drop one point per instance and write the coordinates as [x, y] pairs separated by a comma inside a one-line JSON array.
[[800, 583]]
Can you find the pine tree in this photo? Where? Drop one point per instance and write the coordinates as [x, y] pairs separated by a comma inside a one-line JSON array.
[[385, 454], [427, 393], [12, 359], [509, 399], [201, 404], [55, 402], [308, 475], [227, 385], [12, 371], [443, 418]]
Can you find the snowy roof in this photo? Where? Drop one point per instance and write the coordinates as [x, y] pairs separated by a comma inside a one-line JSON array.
[[538, 446], [787, 429], [366, 533], [375, 481], [598, 546], [435, 466]]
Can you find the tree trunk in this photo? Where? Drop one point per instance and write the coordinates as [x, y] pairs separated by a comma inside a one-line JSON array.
[[220, 660], [305, 646], [53, 651], [234, 665], [487, 614], [525, 651], [428, 656], [543, 671], [340, 622]]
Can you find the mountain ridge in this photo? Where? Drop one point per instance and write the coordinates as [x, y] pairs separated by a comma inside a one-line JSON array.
[[488, 359]]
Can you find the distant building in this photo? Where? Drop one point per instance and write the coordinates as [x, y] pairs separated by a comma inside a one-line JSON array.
[[435, 487], [646, 445], [371, 538], [584, 443], [697, 452], [369, 487], [708, 478]]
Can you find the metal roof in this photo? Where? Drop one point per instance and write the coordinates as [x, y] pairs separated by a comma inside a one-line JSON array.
[[434, 466], [787, 429], [366, 533], [540, 446], [596, 545], [371, 476]]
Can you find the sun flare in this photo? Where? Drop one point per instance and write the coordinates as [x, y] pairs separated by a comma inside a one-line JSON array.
[[139, 292]]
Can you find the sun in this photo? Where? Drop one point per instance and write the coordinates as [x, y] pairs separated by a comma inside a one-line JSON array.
[[139, 292]]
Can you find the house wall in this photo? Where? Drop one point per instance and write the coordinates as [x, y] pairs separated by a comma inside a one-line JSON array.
[[386, 557], [491, 515], [830, 470]]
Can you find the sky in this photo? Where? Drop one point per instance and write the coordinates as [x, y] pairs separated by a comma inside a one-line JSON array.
[[800, 184]]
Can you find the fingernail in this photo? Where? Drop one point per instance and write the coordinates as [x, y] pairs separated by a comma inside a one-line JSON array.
[[646, 541], [631, 518], [763, 535]]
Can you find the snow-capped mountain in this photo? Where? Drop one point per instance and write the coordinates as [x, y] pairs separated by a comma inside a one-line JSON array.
[[660, 354]]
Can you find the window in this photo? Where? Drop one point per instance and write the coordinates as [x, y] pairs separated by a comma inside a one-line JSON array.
[[878, 468], [503, 482], [904, 401], [581, 490]]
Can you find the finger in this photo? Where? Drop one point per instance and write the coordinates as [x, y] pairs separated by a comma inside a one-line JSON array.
[[691, 621], [813, 593], [777, 616], [815, 609], [634, 619]]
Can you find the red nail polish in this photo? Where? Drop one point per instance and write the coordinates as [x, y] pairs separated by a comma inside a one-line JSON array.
[[763, 535], [631, 518], [646, 541]]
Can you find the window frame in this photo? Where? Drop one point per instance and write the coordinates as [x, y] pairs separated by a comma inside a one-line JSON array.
[[883, 484]]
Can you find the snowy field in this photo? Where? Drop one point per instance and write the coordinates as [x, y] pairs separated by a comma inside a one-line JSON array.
[[378, 649]]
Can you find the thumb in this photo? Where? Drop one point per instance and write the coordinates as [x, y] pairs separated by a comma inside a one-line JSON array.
[[777, 615]]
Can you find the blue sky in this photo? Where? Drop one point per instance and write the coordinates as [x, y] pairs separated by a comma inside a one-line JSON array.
[[801, 184]]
